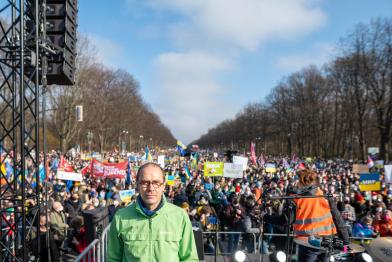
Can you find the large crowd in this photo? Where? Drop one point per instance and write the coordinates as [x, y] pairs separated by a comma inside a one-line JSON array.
[[212, 203]]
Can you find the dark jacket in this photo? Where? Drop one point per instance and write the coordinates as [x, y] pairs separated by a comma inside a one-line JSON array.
[[73, 208]]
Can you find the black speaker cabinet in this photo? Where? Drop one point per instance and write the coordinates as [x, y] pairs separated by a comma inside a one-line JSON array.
[[95, 221], [199, 244]]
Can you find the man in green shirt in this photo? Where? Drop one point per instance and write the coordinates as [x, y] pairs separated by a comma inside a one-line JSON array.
[[151, 229]]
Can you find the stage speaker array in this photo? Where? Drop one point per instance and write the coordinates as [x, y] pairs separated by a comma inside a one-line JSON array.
[[61, 30]]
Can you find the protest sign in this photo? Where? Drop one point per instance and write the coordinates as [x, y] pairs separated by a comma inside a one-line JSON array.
[[373, 150], [369, 182], [170, 180], [388, 174], [357, 169], [241, 160], [126, 195], [63, 175], [270, 168], [232, 170], [213, 169], [161, 160]]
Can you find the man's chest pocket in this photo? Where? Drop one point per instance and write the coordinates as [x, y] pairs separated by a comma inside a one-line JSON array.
[[137, 245], [167, 244]]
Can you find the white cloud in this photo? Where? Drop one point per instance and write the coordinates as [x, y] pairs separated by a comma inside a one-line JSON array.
[[244, 24], [189, 98], [108, 52], [318, 55], [188, 87]]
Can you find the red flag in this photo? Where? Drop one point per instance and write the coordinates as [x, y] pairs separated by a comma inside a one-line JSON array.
[[370, 162], [65, 166], [253, 153], [85, 169]]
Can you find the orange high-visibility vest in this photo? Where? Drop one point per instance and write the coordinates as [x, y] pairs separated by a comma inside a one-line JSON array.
[[313, 217]]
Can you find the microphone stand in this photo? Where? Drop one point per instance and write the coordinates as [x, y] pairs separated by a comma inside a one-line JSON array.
[[262, 239]]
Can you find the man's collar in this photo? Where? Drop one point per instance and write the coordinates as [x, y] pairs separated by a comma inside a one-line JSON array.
[[143, 209]]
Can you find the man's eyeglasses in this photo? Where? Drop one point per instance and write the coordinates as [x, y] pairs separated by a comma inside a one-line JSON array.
[[154, 184]]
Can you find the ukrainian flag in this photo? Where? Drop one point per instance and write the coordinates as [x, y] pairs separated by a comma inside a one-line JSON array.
[[180, 144], [148, 156], [187, 172]]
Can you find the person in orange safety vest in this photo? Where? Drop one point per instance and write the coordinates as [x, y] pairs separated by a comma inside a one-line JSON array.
[[317, 216]]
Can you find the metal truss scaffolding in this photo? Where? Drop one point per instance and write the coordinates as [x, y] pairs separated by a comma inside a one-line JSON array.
[[19, 130]]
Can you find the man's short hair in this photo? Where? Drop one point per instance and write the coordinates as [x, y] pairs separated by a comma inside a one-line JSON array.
[[149, 164]]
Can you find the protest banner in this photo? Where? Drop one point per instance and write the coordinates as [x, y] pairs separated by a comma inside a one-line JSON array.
[[109, 170], [358, 169], [232, 170], [213, 169], [63, 175], [126, 195], [241, 160], [369, 182]]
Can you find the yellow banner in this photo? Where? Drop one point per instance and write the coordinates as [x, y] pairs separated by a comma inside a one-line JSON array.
[[213, 168]]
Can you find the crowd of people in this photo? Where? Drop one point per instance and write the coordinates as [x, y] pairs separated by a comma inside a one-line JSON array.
[[212, 203]]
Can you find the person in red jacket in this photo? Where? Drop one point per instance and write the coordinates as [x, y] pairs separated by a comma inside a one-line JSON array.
[[384, 225], [78, 241]]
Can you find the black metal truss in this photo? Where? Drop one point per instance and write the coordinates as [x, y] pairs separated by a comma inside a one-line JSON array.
[[19, 129]]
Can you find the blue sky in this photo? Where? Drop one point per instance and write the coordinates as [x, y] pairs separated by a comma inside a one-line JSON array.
[[199, 62]]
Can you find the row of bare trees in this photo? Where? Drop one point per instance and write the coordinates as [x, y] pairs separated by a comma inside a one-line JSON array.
[[338, 110], [114, 112]]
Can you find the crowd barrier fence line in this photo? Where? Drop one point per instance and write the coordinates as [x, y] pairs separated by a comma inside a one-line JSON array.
[[97, 250]]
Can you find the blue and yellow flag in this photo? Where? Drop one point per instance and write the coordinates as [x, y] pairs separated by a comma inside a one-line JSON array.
[[181, 148], [187, 172], [181, 145], [147, 155]]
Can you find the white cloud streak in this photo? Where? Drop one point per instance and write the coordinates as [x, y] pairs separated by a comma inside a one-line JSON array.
[[207, 30]]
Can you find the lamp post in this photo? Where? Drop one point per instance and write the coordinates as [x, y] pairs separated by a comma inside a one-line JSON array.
[[140, 142], [90, 136], [258, 141], [121, 145]]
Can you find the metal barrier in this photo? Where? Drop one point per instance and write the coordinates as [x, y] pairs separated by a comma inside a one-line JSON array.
[[256, 239], [216, 237], [97, 250]]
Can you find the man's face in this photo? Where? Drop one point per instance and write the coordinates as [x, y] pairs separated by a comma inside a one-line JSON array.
[[151, 186]]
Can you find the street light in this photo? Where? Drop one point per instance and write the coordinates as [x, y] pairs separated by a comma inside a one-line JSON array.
[[90, 136], [121, 145], [258, 141], [140, 141]]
